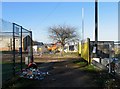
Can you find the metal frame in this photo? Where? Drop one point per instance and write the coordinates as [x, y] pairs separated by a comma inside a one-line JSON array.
[[14, 53], [96, 25], [13, 50]]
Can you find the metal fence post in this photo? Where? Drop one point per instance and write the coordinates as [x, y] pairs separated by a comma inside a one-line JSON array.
[[21, 48], [13, 49], [31, 46], [96, 27], [110, 58]]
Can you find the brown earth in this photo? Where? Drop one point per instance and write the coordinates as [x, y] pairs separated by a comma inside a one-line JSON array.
[[63, 74]]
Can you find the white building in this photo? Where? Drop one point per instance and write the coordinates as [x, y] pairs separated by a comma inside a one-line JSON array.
[[71, 47], [6, 42]]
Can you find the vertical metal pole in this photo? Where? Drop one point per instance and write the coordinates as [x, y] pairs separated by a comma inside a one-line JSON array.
[[14, 49], [31, 46], [10, 44], [110, 58], [89, 60], [82, 31], [82, 23], [96, 25], [118, 21], [21, 48]]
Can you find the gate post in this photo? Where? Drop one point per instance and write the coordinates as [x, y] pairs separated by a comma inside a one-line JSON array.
[[13, 49], [31, 49], [85, 50], [21, 48], [89, 59]]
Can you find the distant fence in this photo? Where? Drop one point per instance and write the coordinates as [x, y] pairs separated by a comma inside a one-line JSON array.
[[117, 55], [108, 53], [15, 45], [102, 48]]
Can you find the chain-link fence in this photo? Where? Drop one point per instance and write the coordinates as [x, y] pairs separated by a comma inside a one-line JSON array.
[[16, 46]]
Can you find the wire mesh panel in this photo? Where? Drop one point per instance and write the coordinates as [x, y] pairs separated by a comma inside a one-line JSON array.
[[22, 47], [16, 46], [27, 44], [6, 47]]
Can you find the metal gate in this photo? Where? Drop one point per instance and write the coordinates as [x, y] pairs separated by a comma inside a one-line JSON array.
[[15, 46], [22, 47], [85, 50]]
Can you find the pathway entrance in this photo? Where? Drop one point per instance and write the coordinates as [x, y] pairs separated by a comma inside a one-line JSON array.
[[67, 73]]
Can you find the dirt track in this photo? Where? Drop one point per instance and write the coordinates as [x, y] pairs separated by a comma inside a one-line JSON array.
[[63, 74]]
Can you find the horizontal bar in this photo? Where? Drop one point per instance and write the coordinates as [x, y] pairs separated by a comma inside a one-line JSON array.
[[25, 29], [17, 24], [21, 26]]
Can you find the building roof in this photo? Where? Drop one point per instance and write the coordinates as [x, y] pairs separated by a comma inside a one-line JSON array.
[[38, 43]]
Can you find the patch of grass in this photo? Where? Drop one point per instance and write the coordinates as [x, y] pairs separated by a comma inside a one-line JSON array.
[[72, 53], [7, 70], [81, 63], [8, 83], [58, 55], [98, 76], [90, 68]]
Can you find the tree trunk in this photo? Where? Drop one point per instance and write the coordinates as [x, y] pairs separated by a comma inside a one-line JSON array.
[[62, 51]]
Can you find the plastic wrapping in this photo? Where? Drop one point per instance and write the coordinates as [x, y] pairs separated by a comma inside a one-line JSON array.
[[32, 73]]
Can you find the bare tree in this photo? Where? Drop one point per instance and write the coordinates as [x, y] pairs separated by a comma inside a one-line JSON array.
[[63, 34]]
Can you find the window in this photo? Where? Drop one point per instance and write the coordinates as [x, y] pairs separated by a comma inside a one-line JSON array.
[[71, 47]]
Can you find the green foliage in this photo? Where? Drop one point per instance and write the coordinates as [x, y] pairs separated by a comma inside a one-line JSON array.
[[90, 68]]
